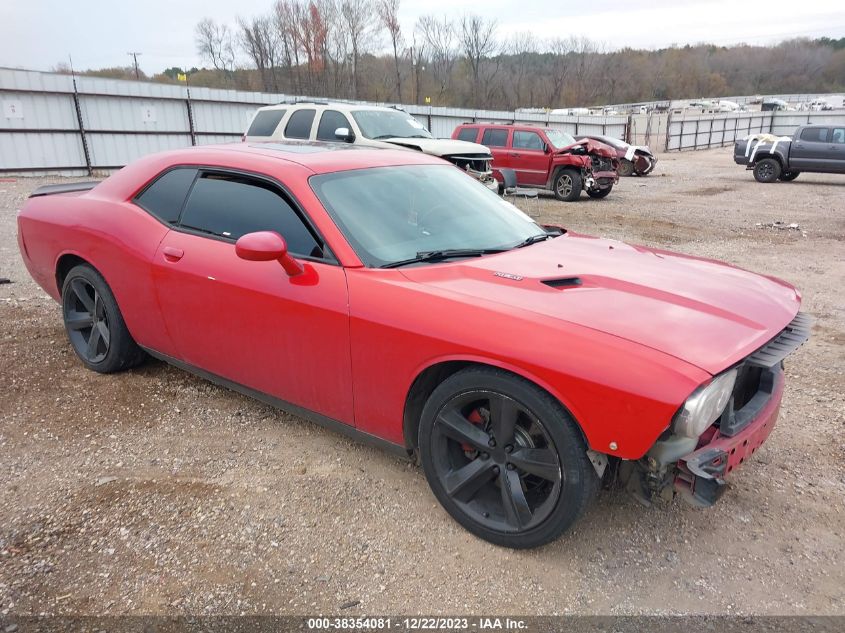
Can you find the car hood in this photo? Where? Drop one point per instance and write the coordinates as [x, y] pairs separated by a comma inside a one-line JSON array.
[[441, 146], [591, 147], [704, 312]]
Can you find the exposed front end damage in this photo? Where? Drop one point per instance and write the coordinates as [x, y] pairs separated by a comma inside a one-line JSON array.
[[696, 468], [479, 166]]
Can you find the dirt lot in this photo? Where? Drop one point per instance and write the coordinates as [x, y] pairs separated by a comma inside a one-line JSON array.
[[156, 492]]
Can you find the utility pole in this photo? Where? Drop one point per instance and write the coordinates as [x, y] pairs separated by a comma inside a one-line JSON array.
[[134, 55]]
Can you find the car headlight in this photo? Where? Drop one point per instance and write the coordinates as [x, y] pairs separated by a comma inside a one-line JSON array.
[[704, 406]]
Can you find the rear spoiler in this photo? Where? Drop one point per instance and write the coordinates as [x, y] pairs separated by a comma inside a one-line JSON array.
[[49, 190]]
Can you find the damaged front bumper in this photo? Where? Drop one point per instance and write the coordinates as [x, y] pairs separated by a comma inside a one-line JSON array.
[[700, 478], [600, 179]]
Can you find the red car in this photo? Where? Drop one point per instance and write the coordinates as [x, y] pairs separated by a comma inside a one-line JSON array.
[[546, 158], [391, 296]]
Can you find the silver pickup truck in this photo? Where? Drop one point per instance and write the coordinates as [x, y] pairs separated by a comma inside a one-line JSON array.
[[813, 148]]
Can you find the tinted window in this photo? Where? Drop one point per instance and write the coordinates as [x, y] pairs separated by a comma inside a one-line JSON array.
[[230, 206], [527, 140], [329, 122], [165, 196], [265, 122], [468, 134], [817, 134], [495, 138], [838, 135], [299, 124]]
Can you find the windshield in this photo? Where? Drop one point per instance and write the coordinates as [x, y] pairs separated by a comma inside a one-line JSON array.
[[390, 214], [380, 124], [559, 139]]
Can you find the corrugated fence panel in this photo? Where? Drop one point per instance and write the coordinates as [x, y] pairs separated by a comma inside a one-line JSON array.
[[212, 139], [785, 123], [26, 151], [133, 115], [33, 111], [222, 117], [115, 150]]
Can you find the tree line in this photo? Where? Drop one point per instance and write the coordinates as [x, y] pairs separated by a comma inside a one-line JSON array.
[[357, 49]]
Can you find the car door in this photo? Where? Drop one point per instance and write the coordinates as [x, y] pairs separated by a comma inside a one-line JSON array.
[[248, 321], [837, 150], [496, 140], [811, 150], [528, 158]]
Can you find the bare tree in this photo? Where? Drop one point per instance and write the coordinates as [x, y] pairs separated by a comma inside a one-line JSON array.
[[356, 17], [560, 50], [417, 53], [285, 21], [477, 38], [259, 40], [215, 44], [439, 37], [388, 11], [520, 46]]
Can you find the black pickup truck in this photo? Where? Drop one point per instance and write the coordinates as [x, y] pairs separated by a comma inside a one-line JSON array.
[[813, 148]]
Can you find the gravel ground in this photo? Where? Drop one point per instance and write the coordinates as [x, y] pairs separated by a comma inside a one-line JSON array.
[[156, 492]]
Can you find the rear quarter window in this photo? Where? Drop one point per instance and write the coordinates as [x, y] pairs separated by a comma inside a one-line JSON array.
[[468, 134], [165, 196], [265, 122], [495, 138]]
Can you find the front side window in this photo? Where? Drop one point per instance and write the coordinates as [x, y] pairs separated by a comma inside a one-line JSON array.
[[329, 122], [299, 124], [527, 140], [265, 122], [814, 134], [390, 214], [165, 196], [838, 135], [383, 124], [231, 205]]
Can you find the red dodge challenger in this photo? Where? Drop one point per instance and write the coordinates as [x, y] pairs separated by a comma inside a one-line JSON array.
[[391, 296]]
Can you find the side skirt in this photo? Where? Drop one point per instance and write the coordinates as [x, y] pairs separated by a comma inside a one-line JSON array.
[[312, 416]]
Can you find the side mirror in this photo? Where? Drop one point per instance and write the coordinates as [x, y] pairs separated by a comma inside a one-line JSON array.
[[265, 246], [344, 134], [547, 149]]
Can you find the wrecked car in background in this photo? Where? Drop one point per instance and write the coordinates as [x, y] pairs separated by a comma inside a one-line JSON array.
[[812, 148], [634, 160], [371, 126], [546, 158]]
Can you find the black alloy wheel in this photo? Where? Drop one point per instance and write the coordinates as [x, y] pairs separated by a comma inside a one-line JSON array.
[[86, 321], [496, 460], [504, 458], [767, 170], [94, 323]]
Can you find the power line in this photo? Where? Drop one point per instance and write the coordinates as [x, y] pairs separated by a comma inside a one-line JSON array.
[[134, 55]]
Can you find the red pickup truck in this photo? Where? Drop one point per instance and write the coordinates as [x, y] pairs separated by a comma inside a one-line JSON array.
[[546, 158]]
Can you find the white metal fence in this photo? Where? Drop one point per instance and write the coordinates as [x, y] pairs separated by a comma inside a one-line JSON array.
[[706, 131], [51, 123]]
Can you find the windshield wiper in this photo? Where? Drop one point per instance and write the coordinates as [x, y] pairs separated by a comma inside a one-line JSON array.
[[528, 241], [439, 255]]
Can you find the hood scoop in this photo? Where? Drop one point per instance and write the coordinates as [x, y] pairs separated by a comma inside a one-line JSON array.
[[563, 282]]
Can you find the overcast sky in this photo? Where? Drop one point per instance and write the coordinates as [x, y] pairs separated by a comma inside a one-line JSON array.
[[38, 34]]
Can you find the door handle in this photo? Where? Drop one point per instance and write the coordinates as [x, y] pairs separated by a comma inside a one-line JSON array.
[[516, 154], [172, 254]]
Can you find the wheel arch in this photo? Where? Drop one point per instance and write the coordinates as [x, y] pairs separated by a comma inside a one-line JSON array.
[[763, 155], [432, 375], [64, 263], [556, 169]]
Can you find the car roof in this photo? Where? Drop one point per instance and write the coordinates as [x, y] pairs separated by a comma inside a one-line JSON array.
[[318, 157], [515, 126], [333, 105]]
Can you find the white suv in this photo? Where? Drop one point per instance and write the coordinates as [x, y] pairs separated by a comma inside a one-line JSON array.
[[371, 126]]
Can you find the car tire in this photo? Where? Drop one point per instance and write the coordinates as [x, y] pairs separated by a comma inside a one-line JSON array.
[[788, 176], [626, 167], [524, 491], [94, 325], [567, 185], [767, 170], [599, 193]]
